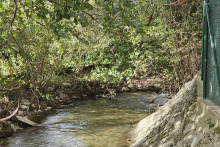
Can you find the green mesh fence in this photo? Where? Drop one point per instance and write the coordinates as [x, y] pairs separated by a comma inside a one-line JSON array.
[[211, 50]]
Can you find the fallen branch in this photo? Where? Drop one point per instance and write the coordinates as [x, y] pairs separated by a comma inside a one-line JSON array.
[[7, 118]]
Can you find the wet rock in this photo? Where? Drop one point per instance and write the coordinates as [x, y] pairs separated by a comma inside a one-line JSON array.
[[63, 96], [139, 86], [26, 120], [160, 101], [39, 111], [24, 107], [25, 102], [124, 89], [15, 127], [20, 113], [67, 85], [56, 98], [50, 89], [5, 100], [33, 106]]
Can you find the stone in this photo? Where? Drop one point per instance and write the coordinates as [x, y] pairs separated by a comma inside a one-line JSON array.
[[24, 107], [15, 127], [25, 102], [139, 86], [32, 105], [57, 98], [50, 89], [66, 84], [5, 100], [26, 120], [124, 89], [39, 111], [177, 121], [63, 96], [49, 108], [20, 113], [160, 101]]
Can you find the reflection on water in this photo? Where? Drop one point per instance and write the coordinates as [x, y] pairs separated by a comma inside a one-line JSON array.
[[92, 123]]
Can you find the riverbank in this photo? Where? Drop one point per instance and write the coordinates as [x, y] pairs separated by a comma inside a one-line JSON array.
[[177, 123], [33, 104]]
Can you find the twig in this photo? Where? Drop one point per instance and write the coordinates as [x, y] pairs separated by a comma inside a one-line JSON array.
[[33, 18], [11, 30]]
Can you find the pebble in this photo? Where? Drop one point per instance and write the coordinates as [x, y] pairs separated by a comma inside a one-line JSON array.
[[20, 112], [66, 84], [63, 96], [39, 111], [24, 107]]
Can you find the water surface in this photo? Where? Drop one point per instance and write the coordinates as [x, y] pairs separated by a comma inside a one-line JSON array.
[[87, 123]]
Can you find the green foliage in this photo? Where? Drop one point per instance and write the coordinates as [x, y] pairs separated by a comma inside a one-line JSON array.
[[41, 38], [216, 130]]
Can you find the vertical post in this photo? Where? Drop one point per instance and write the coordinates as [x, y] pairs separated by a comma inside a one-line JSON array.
[[204, 49]]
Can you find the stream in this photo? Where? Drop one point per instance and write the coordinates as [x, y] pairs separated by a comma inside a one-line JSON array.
[[88, 122]]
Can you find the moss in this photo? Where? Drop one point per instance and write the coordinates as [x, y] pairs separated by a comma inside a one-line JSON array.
[[216, 130], [211, 125]]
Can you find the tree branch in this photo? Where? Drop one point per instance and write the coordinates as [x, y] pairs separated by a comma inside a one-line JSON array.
[[11, 29], [7, 118], [33, 18]]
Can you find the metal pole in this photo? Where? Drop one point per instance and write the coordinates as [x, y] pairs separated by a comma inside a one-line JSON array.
[[204, 49]]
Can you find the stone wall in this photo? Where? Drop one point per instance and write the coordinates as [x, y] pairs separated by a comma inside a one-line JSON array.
[[177, 123]]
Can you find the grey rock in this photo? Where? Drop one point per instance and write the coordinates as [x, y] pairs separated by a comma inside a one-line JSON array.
[[15, 127], [139, 86], [160, 101], [49, 108], [66, 84], [124, 89], [39, 111], [63, 96], [50, 89], [26, 120], [32, 105], [24, 107], [20, 113], [57, 98], [25, 102]]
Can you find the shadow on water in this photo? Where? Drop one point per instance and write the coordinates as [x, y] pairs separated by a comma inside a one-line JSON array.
[[87, 122]]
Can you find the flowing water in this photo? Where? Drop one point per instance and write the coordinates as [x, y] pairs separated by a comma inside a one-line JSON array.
[[87, 123]]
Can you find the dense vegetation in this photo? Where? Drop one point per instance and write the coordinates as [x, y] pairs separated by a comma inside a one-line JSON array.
[[107, 41]]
